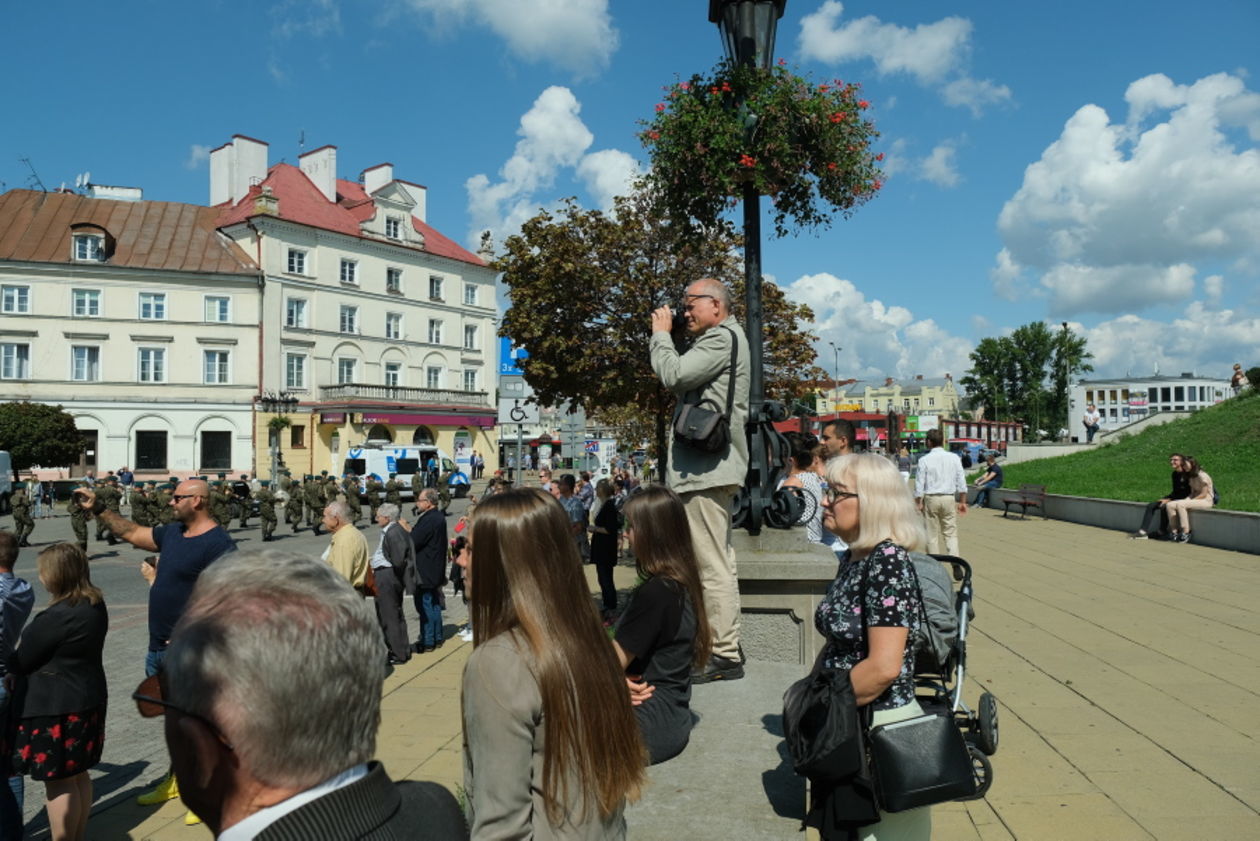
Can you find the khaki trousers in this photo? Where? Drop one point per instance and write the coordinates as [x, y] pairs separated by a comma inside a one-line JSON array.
[[1179, 513], [709, 514], [941, 515]]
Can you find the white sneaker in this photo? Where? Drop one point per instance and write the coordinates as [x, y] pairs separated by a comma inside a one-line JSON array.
[[466, 635]]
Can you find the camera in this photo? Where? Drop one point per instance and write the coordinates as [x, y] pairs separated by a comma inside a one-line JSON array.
[[679, 322]]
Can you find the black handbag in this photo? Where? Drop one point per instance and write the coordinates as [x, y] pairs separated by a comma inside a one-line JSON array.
[[704, 426], [821, 725]]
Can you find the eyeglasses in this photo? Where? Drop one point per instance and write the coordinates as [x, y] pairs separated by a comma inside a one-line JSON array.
[[691, 298], [178, 497], [150, 705], [832, 495]]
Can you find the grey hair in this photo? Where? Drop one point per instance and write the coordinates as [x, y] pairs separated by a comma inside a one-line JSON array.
[[339, 510], [390, 511], [431, 496], [281, 653], [716, 288]]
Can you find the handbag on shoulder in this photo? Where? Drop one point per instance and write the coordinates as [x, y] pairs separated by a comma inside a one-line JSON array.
[[821, 725], [704, 426]]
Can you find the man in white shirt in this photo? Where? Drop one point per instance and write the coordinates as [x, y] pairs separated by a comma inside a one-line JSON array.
[[1090, 421], [940, 492], [393, 567]]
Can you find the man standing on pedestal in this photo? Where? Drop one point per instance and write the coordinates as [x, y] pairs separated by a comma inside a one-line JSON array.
[[940, 492], [708, 482]]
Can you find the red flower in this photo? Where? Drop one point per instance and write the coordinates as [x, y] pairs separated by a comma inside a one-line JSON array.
[[41, 758], [877, 184], [747, 160], [35, 732], [831, 165], [71, 742], [72, 718], [726, 88], [70, 764], [862, 103], [685, 85], [783, 62], [660, 106], [880, 156], [90, 745], [837, 117], [823, 88], [713, 91], [55, 731], [654, 135], [25, 752]]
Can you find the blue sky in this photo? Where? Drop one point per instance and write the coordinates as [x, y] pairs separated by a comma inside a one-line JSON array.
[[1096, 163]]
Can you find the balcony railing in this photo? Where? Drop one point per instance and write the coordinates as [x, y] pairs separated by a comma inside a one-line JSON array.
[[347, 392]]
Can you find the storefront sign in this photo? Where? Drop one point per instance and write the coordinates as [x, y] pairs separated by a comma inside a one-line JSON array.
[[463, 450], [332, 417], [430, 420]]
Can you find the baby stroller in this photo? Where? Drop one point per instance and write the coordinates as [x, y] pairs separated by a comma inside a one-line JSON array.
[[941, 663]]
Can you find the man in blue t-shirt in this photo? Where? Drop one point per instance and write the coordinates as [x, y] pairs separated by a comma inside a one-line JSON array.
[[185, 547], [991, 479]]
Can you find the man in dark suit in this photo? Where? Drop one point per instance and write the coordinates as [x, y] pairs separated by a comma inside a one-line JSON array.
[[288, 757], [428, 536], [394, 567]]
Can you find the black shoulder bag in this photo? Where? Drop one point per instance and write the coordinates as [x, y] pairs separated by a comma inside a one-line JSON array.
[[821, 725], [703, 426]]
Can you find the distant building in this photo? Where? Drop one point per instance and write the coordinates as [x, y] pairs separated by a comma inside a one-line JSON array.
[[918, 396], [1131, 399]]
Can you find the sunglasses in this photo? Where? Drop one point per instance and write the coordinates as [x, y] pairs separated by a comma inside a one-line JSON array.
[[149, 702], [178, 497]]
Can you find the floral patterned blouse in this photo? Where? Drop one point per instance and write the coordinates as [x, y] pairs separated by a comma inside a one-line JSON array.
[[891, 599]]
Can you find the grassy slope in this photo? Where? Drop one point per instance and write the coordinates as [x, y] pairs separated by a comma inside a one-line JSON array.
[[1225, 439]]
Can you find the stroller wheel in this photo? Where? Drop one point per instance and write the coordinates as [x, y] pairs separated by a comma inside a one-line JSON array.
[[982, 768], [987, 739]]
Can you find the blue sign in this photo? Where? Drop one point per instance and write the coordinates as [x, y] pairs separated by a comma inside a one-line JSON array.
[[592, 446], [509, 355]]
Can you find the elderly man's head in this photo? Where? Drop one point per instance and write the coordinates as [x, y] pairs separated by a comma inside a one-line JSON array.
[[336, 515], [253, 714], [387, 513], [428, 499], [706, 304]]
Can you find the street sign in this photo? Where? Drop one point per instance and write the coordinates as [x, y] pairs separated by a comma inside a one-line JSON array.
[[515, 410]]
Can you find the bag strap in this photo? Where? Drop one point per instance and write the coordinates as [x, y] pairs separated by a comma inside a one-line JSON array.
[[866, 648], [730, 389]]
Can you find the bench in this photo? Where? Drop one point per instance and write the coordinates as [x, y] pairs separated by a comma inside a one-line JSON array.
[[1030, 496]]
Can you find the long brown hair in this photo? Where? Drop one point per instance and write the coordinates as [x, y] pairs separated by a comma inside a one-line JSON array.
[[63, 567], [527, 576], [662, 544]]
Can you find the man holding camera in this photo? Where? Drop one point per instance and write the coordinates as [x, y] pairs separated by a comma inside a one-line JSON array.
[[708, 481]]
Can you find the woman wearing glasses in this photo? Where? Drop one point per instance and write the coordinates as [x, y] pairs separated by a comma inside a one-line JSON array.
[[551, 748], [870, 615], [62, 725]]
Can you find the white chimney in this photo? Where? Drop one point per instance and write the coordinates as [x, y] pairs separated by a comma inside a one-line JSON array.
[[377, 177], [320, 165], [235, 167]]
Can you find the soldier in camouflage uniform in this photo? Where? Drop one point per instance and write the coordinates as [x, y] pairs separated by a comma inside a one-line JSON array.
[[109, 494], [162, 503], [293, 508], [141, 510], [266, 508], [219, 505], [374, 491], [444, 489], [417, 485], [314, 504], [23, 525], [393, 490], [78, 520], [350, 486]]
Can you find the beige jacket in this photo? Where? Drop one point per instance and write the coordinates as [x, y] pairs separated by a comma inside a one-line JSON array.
[[703, 373], [348, 554]]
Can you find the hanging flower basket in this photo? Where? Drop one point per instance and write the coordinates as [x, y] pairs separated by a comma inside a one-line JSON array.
[[806, 145]]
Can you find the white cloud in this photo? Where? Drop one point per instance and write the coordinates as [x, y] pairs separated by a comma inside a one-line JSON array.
[[197, 155], [1213, 288], [939, 167], [878, 340], [312, 18], [1203, 340], [575, 35], [607, 174], [1006, 276], [934, 54], [1138, 205]]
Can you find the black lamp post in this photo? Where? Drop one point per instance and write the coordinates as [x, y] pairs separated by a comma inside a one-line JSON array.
[[748, 29], [279, 404]]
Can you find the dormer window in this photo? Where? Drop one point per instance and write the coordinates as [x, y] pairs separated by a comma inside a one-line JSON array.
[[89, 247], [393, 227]]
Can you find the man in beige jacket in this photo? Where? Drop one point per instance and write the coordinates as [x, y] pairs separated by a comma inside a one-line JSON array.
[[348, 553]]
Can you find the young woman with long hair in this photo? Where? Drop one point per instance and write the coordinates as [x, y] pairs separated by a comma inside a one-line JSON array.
[[551, 748], [872, 611], [62, 725], [605, 531], [664, 632]]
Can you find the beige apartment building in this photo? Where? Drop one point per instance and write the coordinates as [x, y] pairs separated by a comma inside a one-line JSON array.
[[918, 396]]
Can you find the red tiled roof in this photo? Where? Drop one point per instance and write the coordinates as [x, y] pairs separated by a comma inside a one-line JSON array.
[[36, 227], [302, 202]]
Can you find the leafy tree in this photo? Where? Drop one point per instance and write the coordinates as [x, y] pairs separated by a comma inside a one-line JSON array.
[[582, 284], [38, 434]]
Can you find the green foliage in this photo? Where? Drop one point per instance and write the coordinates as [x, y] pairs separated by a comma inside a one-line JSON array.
[[279, 422], [38, 434], [1225, 439], [805, 145], [1253, 377]]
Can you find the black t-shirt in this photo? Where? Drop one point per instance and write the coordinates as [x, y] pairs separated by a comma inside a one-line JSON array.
[[1180, 485], [181, 560], [996, 470]]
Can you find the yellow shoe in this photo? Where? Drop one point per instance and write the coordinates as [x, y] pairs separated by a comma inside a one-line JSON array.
[[191, 819], [166, 790]]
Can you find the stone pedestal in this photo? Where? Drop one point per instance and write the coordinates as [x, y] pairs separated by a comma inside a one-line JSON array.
[[782, 576]]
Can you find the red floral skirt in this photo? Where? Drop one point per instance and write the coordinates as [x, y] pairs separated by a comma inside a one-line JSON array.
[[54, 747]]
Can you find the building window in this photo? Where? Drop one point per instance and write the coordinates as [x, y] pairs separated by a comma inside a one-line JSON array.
[[470, 295], [297, 436], [215, 367], [89, 247], [294, 371], [150, 450], [435, 331], [393, 325], [295, 312], [297, 261], [152, 365], [470, 337], [393, 227], [15, 299], [85, 303], [931, 402], [153, 306], [1179, 393], [216, 450], [433, 376], [349, 319], [349, 271], [393, 374], [346, 370], [435, 287], [470, 379], [85, 363], [15, 362], [218, 308], [393, 280]]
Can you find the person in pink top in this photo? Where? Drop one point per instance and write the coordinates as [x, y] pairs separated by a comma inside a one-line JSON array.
[[1202, 495]]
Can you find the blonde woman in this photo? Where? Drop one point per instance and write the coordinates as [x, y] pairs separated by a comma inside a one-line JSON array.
[[872, 611], [1202, 495]]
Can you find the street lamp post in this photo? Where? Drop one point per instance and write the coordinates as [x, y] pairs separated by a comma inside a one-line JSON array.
[[279, 405], [748, 29], [835, 380]]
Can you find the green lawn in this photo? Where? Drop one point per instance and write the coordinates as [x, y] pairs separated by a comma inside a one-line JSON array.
[[1225, 439]]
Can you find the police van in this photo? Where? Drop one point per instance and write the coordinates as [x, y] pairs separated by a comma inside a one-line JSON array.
[[404, 460]]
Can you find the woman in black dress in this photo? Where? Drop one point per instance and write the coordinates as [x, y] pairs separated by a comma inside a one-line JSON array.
[[604, 531], [62, 724]]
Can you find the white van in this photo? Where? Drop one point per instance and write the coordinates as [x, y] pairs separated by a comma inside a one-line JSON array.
[[6, 481], [383, 459]]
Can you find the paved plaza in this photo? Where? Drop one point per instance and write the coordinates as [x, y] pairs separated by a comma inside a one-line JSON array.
[[1125, 671]]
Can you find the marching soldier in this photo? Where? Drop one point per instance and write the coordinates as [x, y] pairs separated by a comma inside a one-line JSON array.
[[417, 485], [141, 510], [162, 502], [23, 525], [374, 490], [293, 508], [393, 490], [78, 520], [219, 505], [266, 508], [107, 492], [350, 485], [444, 489], [241, 491], [314, 504]]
